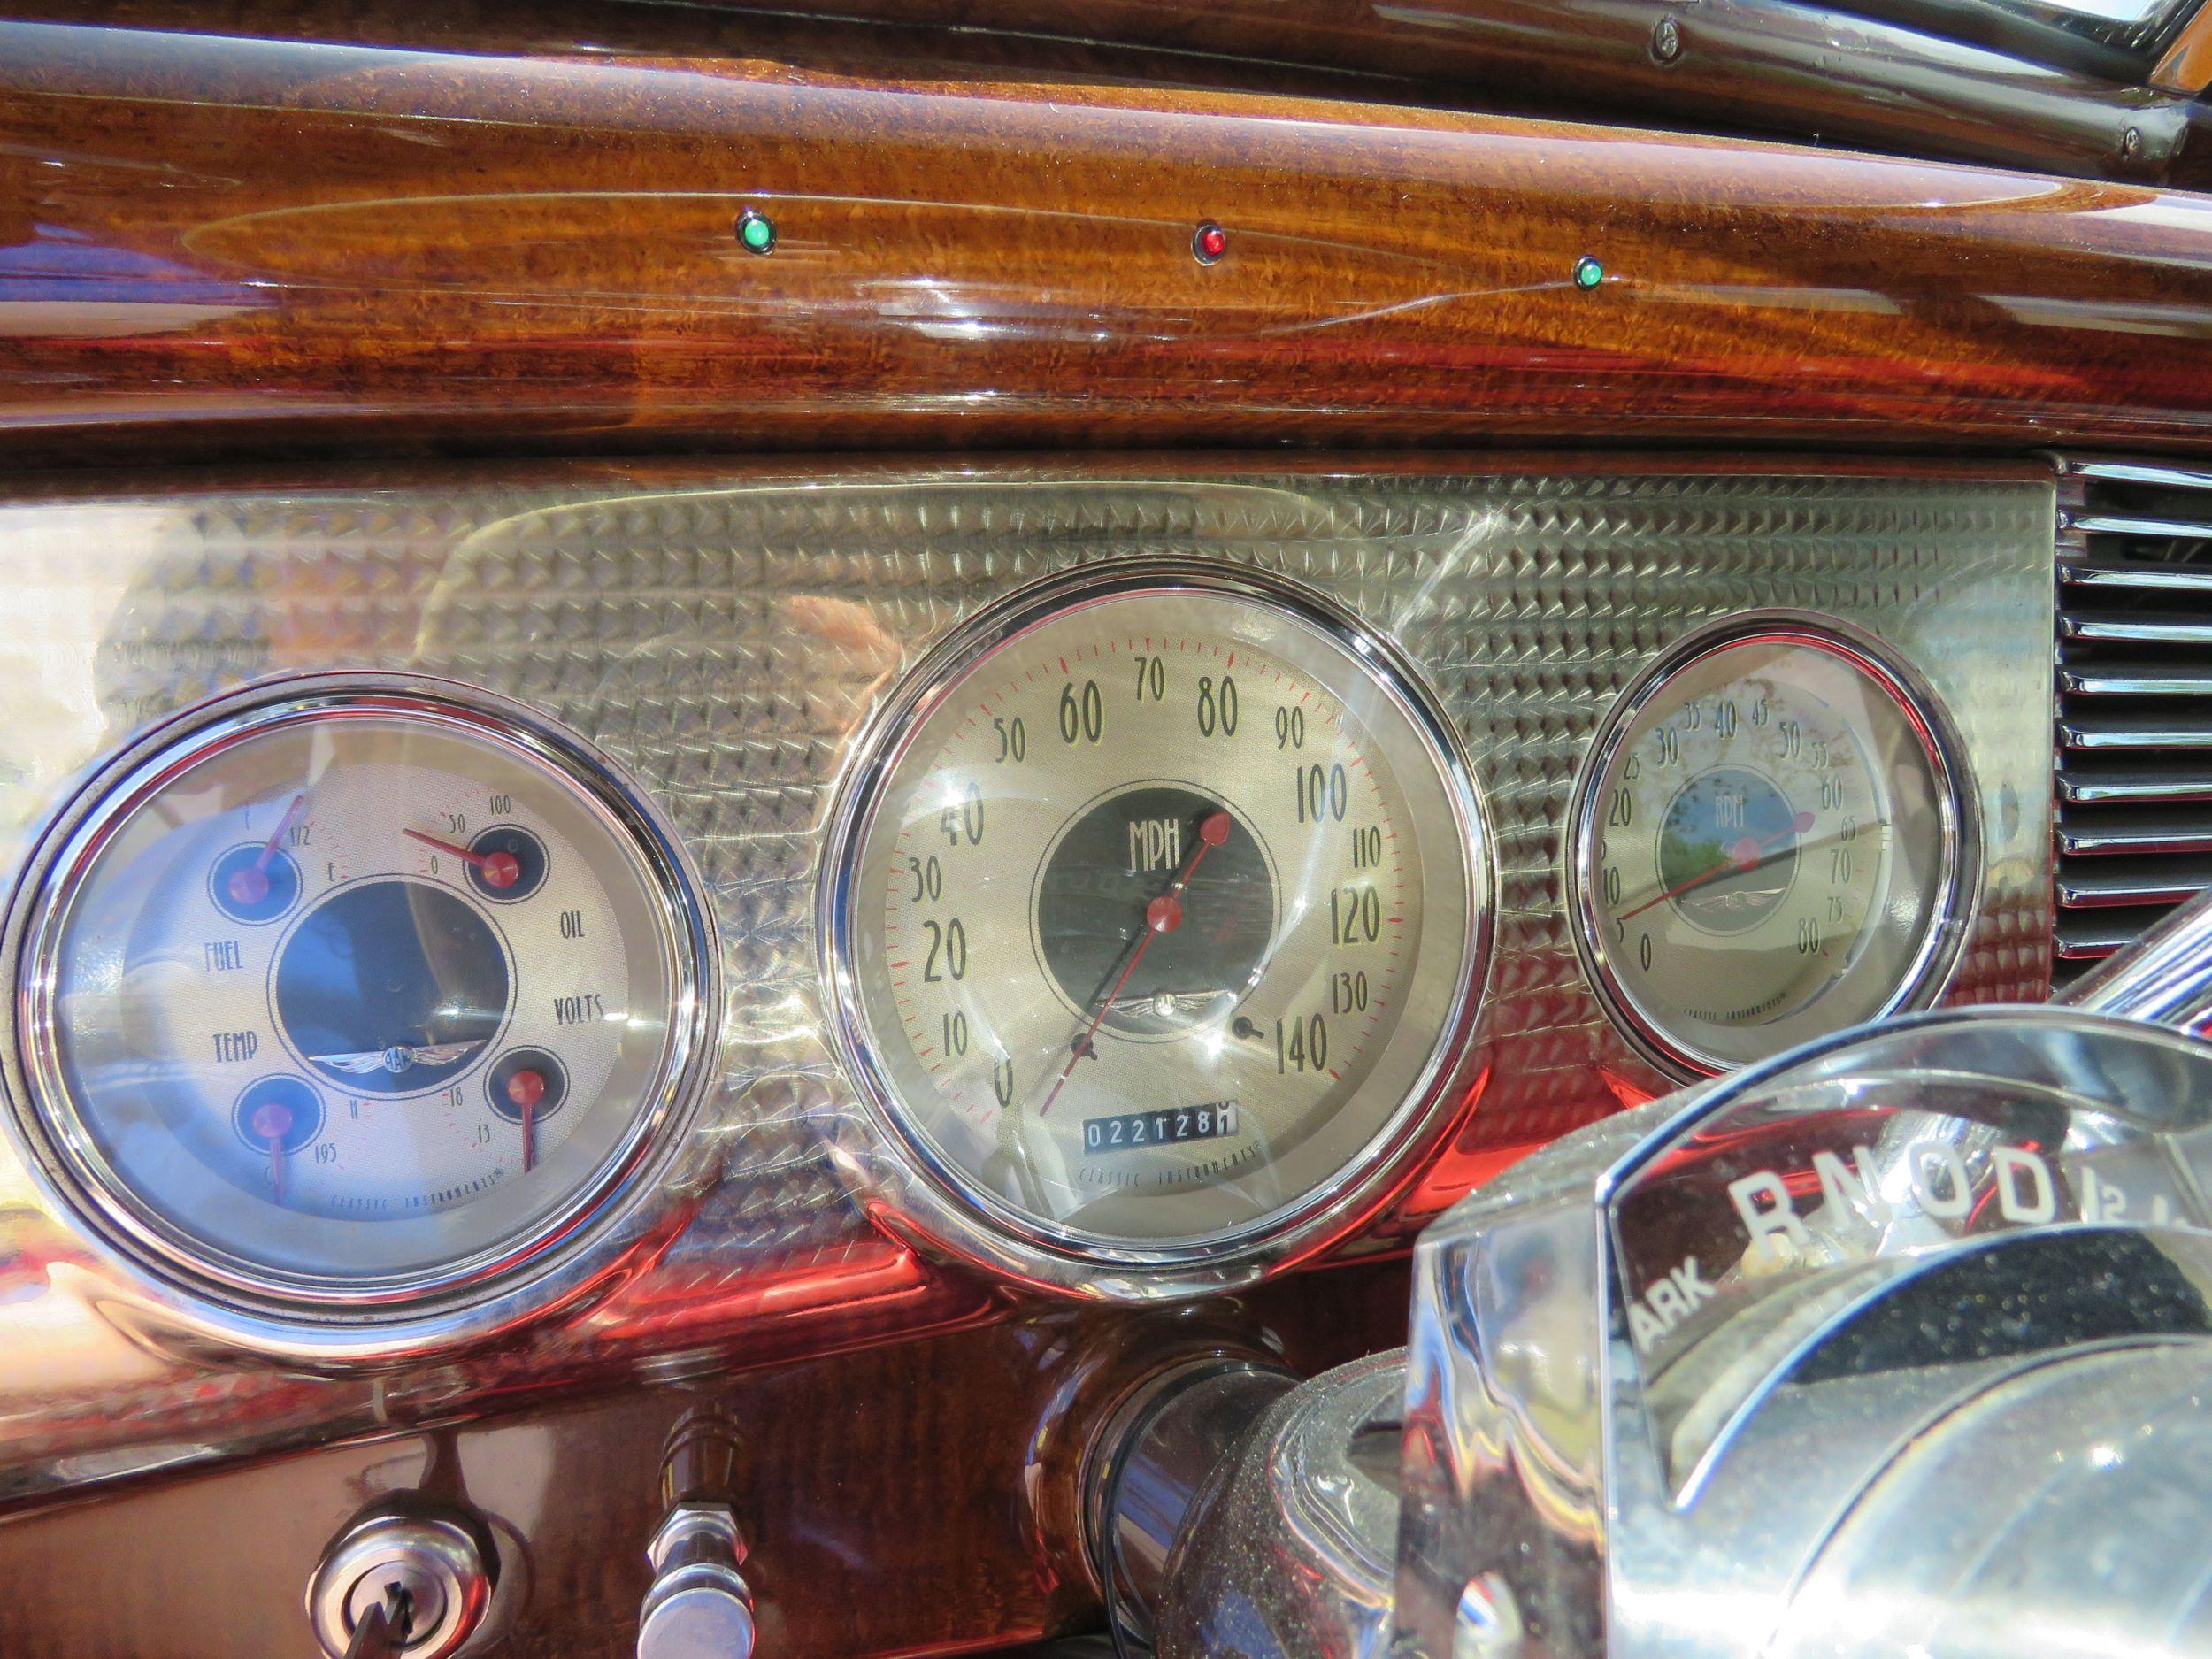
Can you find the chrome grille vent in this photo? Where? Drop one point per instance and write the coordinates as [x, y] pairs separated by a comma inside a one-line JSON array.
[[2134, 783]]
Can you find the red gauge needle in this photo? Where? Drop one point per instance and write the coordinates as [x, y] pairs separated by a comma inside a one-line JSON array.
[[250, 885], [526, 1088], [499, 869], [1163, 915], [272, 1121], [1743, 854]]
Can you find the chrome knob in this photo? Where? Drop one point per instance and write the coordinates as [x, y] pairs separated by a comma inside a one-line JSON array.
[[432, 1567], [700, 1606]]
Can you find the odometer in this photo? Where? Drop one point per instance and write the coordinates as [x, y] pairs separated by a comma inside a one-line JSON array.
[[1767, 846], [1163, 902]]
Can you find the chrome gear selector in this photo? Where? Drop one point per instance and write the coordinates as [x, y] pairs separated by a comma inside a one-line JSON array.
[[1899, 1344], [1897, 1347]]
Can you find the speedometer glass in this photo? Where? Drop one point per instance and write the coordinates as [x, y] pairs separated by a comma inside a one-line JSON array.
[[1767, 846], [1165, 899], [359, 992]]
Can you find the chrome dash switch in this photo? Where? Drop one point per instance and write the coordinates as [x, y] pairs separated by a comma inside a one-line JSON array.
[[700, 1606]]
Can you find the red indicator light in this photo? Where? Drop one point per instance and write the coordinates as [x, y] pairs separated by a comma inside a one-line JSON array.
[[1210, 242]]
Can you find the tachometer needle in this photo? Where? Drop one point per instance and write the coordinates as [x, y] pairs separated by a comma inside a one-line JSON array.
[[499, 869], [250, 885], [1162, 915]]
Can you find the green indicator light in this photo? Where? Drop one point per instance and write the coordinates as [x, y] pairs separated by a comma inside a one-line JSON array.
[[1589, 273], [756, 231]]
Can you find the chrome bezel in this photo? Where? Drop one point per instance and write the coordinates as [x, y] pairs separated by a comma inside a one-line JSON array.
[[918, 1192], [1950, 916], [553, 1259]]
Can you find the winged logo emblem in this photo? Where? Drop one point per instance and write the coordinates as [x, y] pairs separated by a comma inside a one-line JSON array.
[[397, 1059]]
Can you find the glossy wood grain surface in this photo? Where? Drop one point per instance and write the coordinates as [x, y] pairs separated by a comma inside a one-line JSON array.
[[216, 242], [920, 1499], [1978, 85], [1780, 68]]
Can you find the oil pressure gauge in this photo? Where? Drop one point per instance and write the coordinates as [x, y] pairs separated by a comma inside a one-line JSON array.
[[356, 993], [1772, 841], [1157, 914]]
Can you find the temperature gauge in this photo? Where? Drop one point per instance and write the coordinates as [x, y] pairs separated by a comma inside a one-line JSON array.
[[360, 991]]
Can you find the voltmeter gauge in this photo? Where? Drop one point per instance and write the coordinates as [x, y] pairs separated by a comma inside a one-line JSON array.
[[1772, 839], [1156, 917], [358, 994]]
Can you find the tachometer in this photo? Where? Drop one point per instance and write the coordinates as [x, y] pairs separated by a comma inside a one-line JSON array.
[[1160, 911], [1768, 845], [355, 994]]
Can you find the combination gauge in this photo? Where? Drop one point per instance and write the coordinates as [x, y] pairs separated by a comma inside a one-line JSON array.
[[351, 994]]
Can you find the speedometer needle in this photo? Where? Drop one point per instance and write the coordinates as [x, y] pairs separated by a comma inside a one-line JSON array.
[[499, 869], [1743, 855], [1736, 866], [1162, 915]]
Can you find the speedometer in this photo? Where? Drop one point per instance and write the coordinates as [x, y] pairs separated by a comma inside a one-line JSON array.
[[353, 993], [1772, 842], [1162, 904]]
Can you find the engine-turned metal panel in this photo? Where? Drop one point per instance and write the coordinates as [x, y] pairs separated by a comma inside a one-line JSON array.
[[724, 632]]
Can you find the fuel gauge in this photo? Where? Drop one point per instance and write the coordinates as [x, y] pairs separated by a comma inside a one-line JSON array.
[[358, 990]]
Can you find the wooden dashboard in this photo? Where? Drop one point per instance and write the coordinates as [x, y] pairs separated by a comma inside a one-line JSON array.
[[220, 243], [281, 256]]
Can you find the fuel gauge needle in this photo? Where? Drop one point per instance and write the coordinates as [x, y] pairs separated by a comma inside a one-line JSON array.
[[250, 885]]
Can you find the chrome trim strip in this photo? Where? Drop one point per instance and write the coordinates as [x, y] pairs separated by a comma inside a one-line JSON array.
[[2173, 579], [2147, 638], [2139, 679], [2118, 786], [2093, 941], [2153, 732], [2158, 473], [2133, 835], [2101, 888], [2122, 524], [2109, 628], [2166, 979]]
